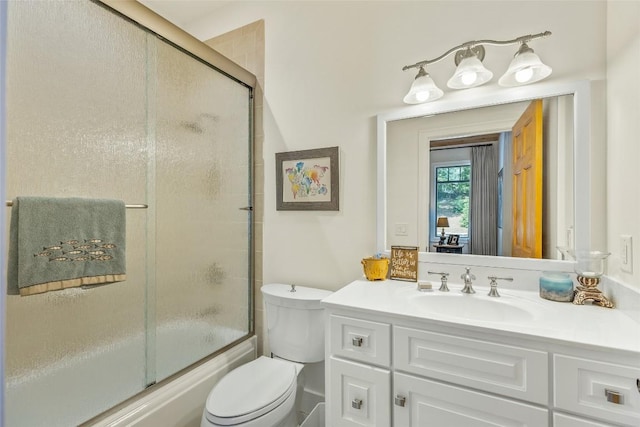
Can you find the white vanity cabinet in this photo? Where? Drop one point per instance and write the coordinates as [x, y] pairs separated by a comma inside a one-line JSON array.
[[387, 365], [361, 373]]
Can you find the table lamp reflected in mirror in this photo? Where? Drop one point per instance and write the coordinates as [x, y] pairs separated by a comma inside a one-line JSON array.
[[443, 222]]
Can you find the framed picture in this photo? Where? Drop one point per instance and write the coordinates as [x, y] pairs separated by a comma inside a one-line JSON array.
[[404, 263], [453, 239], [308, 180]]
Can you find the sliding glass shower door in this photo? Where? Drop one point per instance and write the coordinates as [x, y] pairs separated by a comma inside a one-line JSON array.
[[99, 107], [202, 176]]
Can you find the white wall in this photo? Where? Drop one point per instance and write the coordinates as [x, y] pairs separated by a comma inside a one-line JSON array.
[[330, 67], [623, 134]]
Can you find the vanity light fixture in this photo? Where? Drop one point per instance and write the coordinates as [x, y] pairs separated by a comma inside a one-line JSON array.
[[525, 68]]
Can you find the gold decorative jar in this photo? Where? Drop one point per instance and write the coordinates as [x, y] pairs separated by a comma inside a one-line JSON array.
[[375, 268]]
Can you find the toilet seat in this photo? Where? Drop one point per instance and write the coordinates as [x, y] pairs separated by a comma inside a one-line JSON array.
[[251, 391]]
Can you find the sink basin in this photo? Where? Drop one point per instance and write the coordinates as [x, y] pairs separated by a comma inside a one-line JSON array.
[[475, 307]]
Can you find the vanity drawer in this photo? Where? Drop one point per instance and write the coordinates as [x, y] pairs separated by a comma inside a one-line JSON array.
[[562, 420], [361, 340], [597, 389], [511, 371]]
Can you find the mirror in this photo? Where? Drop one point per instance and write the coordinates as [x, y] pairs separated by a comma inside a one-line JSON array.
[[444, 144], [406, 205]]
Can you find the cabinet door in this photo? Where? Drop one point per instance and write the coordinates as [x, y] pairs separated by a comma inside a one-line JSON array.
[[428, 403], [359, 395]]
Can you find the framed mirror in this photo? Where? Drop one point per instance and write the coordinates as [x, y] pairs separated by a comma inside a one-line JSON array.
[[407, 209]]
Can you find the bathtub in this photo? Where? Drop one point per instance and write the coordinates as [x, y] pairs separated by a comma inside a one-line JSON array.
[[63, 394]]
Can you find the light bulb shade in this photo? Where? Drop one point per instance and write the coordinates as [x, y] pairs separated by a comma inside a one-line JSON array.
[[470, 73], [443, 221], [525, 68], [423, 89]]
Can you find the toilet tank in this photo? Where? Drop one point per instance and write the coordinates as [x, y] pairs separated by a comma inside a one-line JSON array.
[[295, 322]]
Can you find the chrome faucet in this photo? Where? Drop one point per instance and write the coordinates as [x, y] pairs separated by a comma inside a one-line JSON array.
[[443, 280], [466, 278], [493, 292]]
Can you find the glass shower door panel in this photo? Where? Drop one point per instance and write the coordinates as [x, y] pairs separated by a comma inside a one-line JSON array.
[[76, 126], [202, 235]]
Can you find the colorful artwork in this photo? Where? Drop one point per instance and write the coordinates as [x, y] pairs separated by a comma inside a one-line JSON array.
[[308, 180]]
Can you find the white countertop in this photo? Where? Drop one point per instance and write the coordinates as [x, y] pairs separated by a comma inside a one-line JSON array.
[[532, 316]]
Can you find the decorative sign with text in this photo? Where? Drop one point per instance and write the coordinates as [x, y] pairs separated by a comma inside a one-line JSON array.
[[404, 263]]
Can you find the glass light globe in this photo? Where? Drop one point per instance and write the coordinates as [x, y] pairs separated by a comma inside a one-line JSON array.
[[526, 67], [423, 89], [470, 73], [524, 75], [468, 78]]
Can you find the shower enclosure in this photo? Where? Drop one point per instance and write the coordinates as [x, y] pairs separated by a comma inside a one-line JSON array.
[[99, 106]]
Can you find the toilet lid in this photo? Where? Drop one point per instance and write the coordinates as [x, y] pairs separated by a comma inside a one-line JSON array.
[[251, 391]]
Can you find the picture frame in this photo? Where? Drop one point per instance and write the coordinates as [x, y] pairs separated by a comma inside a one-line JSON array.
[[308, 180], [404, 263], [453, 239]]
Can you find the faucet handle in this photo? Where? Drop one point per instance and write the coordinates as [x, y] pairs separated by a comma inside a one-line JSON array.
[[493, 292], [467, 279], [443, 280], [468, 274]]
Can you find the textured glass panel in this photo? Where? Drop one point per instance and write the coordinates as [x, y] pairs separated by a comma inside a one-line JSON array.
[[202, 176], [76, 127], [99, 109]]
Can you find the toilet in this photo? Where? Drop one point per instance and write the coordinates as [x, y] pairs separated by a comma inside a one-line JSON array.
[[262, 393]]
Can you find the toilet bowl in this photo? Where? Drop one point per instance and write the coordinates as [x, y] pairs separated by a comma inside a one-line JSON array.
[[262, 393]]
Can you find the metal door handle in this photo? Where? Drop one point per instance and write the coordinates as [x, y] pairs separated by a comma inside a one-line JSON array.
[[400, 400], [356, 341], [356, 403], [614, 396]]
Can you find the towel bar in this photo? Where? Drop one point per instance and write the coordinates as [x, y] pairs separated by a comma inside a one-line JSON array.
[[141, 206]]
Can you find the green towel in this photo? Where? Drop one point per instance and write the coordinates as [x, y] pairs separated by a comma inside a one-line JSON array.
[[58, 243]]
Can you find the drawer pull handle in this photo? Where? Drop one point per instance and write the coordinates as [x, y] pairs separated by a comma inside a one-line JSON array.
[[400, 400], [356, 403], [357, 341], [614, 397], [638, 384]]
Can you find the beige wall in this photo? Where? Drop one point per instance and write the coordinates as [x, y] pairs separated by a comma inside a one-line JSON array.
[[623, 143], [333, 66]]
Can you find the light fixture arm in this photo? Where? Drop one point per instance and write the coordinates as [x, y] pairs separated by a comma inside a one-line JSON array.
[[476, 47]]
